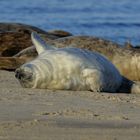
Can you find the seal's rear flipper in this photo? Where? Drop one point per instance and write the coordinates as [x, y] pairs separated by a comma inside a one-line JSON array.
[[136, 88], [129, 86], [39, 43]]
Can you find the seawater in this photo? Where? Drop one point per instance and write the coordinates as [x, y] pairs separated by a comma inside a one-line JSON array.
[[116, 20]]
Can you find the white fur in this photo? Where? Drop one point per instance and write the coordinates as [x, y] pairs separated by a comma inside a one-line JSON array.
[[41, 45], [135, 88], [71, 69]]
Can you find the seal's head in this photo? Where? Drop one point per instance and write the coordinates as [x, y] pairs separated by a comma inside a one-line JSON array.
[[26, 75], [34, 74]]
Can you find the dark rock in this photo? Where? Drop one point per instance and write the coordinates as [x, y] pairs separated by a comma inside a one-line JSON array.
[[11, 63], [15, 37], [60, 33]]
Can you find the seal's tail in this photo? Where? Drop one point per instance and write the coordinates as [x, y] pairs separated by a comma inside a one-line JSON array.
[[129, 86]]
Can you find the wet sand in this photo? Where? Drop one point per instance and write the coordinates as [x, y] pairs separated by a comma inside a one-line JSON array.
[[38, 114]]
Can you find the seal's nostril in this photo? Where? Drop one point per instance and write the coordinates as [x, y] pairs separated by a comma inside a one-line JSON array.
[[18, 74]]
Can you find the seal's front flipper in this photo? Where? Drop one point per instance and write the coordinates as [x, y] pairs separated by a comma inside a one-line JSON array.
[[93, 79], [40, 44]]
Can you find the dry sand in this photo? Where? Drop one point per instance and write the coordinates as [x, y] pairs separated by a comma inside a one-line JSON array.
[[34, 114]]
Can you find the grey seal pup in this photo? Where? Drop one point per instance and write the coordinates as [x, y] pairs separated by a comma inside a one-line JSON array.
[[69, 69]]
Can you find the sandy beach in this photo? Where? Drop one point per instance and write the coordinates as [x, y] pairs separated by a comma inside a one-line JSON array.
[[38, 114]]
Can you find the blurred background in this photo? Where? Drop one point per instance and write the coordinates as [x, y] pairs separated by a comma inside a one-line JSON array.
[[116, 20]]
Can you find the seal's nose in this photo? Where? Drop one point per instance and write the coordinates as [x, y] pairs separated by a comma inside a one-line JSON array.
[[19, 74]]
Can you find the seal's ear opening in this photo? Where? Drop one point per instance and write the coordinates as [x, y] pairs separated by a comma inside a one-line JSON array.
[[39, 43]]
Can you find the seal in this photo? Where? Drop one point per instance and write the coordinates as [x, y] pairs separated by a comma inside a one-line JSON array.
[[68, 69]]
